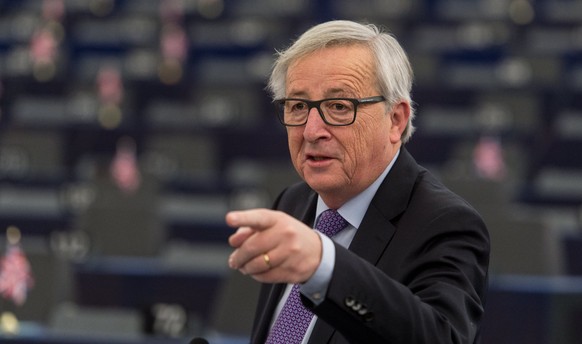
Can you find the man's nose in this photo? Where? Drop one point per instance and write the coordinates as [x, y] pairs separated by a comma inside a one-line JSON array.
[[315, 128]]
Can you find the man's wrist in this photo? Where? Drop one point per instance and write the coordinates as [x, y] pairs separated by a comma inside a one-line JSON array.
[[315, 288]]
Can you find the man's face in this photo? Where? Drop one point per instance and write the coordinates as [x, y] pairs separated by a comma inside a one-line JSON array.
[[340, 162]]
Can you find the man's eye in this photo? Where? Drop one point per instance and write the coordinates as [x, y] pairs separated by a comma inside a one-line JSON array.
[[338, 106], [300, 106], [297, 106]]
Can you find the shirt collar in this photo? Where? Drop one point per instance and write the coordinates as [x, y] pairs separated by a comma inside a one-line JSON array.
[[353, 211]]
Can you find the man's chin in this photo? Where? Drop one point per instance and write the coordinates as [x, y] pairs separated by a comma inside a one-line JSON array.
[[322, 184]]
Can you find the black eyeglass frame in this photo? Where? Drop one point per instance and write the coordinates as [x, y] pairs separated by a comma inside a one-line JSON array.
[[317, 104]]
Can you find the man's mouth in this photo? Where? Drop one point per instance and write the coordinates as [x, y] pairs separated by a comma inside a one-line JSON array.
[[317, 157]]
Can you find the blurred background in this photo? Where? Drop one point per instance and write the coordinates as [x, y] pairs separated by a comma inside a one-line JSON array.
[[128, 128]]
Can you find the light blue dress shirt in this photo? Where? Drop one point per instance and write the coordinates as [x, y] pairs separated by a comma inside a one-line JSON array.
[[353, 212]]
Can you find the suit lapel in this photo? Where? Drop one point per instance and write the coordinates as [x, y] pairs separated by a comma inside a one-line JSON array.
[[301, 208], [376, 230], [273, 294], [391, 199], [370, 241]]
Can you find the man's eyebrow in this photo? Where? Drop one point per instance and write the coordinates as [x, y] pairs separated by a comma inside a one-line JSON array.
[[297, 94], [338, 92]]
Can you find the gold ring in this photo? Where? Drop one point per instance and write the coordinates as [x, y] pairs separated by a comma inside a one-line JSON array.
[[267, 260]]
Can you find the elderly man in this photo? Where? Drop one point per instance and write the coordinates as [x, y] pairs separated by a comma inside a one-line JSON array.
[[395, 256]]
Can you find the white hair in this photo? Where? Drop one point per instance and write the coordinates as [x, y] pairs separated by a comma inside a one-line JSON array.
[[393, 70]]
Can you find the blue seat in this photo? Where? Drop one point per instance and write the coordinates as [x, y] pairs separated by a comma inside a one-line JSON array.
[[533, 310], [141, 283], [572, 245]]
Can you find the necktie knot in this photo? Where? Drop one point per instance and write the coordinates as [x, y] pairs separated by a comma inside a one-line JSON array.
[[331, 222]]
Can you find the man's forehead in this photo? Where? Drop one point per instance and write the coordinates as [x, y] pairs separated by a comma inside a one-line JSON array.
[[340, 71]]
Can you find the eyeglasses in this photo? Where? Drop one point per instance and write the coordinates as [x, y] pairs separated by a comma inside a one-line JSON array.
[[293, 112]]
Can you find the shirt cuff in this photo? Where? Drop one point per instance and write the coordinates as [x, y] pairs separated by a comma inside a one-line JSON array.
[[315, 288]]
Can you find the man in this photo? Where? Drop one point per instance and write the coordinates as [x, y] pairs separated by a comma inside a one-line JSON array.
[[410, 263]]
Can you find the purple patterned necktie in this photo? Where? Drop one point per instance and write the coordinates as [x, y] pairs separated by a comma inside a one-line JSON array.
[[294, 318]]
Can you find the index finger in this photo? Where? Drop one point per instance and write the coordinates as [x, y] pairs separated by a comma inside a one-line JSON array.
[[257, 219]]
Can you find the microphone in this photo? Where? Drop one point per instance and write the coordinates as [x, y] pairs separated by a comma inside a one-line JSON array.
[[199, 340]]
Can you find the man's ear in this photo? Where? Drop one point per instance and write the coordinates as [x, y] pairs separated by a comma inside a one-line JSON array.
[[399, 115]]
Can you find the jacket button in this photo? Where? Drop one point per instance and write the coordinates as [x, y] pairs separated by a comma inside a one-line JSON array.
[[368, 316], [349, 301]]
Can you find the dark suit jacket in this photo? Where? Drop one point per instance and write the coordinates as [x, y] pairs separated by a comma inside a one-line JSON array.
[[415, 272]]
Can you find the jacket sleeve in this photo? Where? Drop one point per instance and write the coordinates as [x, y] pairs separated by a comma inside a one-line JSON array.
[[427, 287]]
